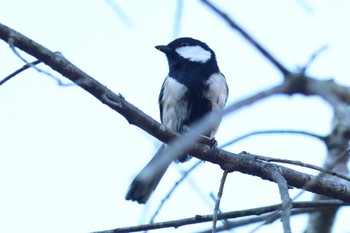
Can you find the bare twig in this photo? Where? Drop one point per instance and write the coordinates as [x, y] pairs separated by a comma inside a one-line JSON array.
[[59, 82], [293, 162], [218, 199], [102, 93], [214, 198], [233, 214], [249, 38], [275, 90], [176, 184], [273, 216], [322, 174], [286, 200], [337, 159], [301, 132], [250, 220], [268, 159], [302, 164], [313, 57], [26, 66]]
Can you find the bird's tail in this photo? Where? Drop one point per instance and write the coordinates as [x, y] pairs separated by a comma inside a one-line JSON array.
[[147, 180]]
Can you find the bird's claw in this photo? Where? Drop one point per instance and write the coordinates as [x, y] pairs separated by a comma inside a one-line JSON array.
[[208, 141]]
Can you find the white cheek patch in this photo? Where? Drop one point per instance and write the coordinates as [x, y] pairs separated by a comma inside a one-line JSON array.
[[194, 53]]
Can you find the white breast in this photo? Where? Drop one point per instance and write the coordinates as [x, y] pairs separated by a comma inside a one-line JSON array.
[[217, 94], [175, 107], [217, 91]]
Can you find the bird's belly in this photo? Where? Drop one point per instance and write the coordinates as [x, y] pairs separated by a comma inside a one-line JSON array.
[[174, 115], [175, 106]]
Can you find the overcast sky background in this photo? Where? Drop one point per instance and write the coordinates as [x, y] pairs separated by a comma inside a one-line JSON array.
[[67, 160]]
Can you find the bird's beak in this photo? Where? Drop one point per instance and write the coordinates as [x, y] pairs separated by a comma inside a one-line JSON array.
[[163, 48]]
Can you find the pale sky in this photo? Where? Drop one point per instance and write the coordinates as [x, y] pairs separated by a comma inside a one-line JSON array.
[[67, 160]]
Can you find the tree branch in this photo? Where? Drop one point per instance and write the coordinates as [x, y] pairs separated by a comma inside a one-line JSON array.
[[249, 38], [221, 216], [302, 164], [250, 220], [286, 200], [218, 199], [59, 63]]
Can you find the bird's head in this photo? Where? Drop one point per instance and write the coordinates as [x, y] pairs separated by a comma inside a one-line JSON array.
[[187, 50]]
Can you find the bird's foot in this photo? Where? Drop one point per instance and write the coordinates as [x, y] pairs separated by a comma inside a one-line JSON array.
[[208, 141]]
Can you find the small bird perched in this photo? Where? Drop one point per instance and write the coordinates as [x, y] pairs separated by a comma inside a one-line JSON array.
[[194, 87]]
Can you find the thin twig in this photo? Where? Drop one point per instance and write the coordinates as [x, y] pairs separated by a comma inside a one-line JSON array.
[[250, 220], [213, 197], [335, 99], [218, 199], [26, 66], [301, 132], [271, 217], [282, 88], [176, 184], [322, 174], [302, 164], [287, 161], [286, 200], [268, 159], [59, 82], [249, 38], [313, 57], [233, 214]]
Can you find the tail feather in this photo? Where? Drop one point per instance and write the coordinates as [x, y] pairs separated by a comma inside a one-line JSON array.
[[147, 180]]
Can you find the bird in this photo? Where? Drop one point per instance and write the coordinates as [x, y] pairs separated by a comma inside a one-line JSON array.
[[193, 87]]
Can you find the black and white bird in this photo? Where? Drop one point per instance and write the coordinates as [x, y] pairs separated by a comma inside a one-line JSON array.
[[194, 87]]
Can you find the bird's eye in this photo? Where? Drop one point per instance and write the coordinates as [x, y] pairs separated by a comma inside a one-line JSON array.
[[184, 44]]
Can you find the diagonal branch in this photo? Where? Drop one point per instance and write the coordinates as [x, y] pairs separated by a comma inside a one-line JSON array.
[[286, 200], [249, 38], [59, 63]]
